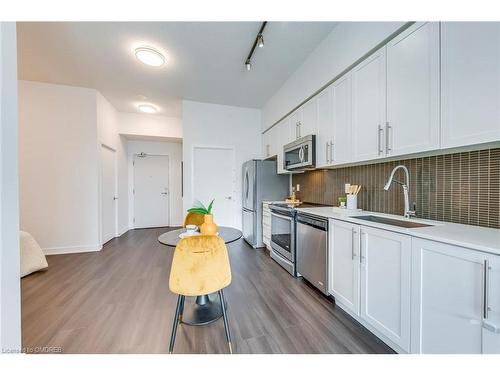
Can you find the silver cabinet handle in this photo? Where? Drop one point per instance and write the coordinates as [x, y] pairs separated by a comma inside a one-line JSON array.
[[296, 130], [327, 153], [486, 269], [353, 241], [387, 137], [299, 127], [115, 198], [332, 154], [380, 130]]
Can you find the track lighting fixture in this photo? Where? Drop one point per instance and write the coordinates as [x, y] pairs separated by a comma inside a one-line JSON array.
[[258, 42]]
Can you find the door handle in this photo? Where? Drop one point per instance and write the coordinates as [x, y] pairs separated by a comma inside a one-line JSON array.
[[380, 130], [486, 292], [352, 245], [387, 137]]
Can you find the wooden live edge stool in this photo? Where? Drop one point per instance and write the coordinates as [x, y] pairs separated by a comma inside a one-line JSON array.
[[200, 267]]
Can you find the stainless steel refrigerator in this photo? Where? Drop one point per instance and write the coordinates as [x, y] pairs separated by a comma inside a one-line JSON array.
[[260, 183]]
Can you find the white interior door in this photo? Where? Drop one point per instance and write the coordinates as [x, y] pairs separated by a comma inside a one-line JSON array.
[[151, 191], [108, 194], [214, 178]]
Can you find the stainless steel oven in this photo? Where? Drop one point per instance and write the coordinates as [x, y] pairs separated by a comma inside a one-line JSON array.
[[283, 237], [300, 154]]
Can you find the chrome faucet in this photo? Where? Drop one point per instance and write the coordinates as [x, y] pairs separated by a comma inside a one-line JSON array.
[[406, 188]]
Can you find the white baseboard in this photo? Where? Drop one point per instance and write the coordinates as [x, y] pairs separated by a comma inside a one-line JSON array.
[[122, 231], [71, 249]]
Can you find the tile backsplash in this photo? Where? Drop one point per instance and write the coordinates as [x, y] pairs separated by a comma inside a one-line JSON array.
[[460, 188]]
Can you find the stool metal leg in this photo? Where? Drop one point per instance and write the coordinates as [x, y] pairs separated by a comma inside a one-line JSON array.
[[182, 309], [180, 303], [226, 323]]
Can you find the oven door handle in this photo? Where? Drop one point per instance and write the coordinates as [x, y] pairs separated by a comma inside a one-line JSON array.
[[281, 216]]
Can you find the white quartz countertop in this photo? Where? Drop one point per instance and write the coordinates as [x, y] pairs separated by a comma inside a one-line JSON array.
[[469, 236]]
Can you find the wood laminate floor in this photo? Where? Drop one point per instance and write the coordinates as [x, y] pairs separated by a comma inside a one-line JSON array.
[[117, 301]]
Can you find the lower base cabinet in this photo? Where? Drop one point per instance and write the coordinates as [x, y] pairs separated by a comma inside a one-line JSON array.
[[370, 279], [385, 284], [416, 295], [344, 265], [455, 300]]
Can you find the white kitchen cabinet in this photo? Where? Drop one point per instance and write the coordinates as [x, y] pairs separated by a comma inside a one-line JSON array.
[[270, 142], [413, 91], [341, 146], [385, 284], [309, 122], [470, 83], [266, 143], [344, 264], [455, 299], [324, 135], [369, 107]]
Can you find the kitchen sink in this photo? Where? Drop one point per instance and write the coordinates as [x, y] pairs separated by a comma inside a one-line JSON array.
[[388, 221]]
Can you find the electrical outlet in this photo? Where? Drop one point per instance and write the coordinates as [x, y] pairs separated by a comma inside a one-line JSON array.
[[298, 187]]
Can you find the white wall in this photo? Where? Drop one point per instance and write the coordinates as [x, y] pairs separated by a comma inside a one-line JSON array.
[[136, 124], [10, 294], [107, 132], [219, 126], [347, 42], [59, 166], [174, 151]]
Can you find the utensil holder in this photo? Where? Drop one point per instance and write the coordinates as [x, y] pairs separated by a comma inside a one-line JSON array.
[[352, 202]]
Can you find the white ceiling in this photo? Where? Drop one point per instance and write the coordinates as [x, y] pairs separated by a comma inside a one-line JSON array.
[[205, 60]]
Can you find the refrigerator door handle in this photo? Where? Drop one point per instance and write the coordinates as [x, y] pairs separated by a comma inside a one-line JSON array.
[[247, 185]]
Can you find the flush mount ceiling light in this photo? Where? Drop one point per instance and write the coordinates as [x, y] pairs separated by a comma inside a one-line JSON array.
[[258, 42], [149, 56], [147, 108]]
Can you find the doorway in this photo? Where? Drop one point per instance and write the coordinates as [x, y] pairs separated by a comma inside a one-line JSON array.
[[214, 178], [151, 191], [108, 194]]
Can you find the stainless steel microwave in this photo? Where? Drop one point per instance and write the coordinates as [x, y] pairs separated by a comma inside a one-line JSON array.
[[300, 154]]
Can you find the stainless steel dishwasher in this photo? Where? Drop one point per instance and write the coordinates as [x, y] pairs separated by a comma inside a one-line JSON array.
[[312, 250]]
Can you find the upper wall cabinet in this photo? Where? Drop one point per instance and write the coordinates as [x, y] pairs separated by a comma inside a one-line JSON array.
[[470, 83], [309, 122], [413, 90], [368, 107], [324, 135], [340, 149]]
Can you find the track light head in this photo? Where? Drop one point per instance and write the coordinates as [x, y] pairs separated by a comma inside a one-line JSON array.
[[260, 41]]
